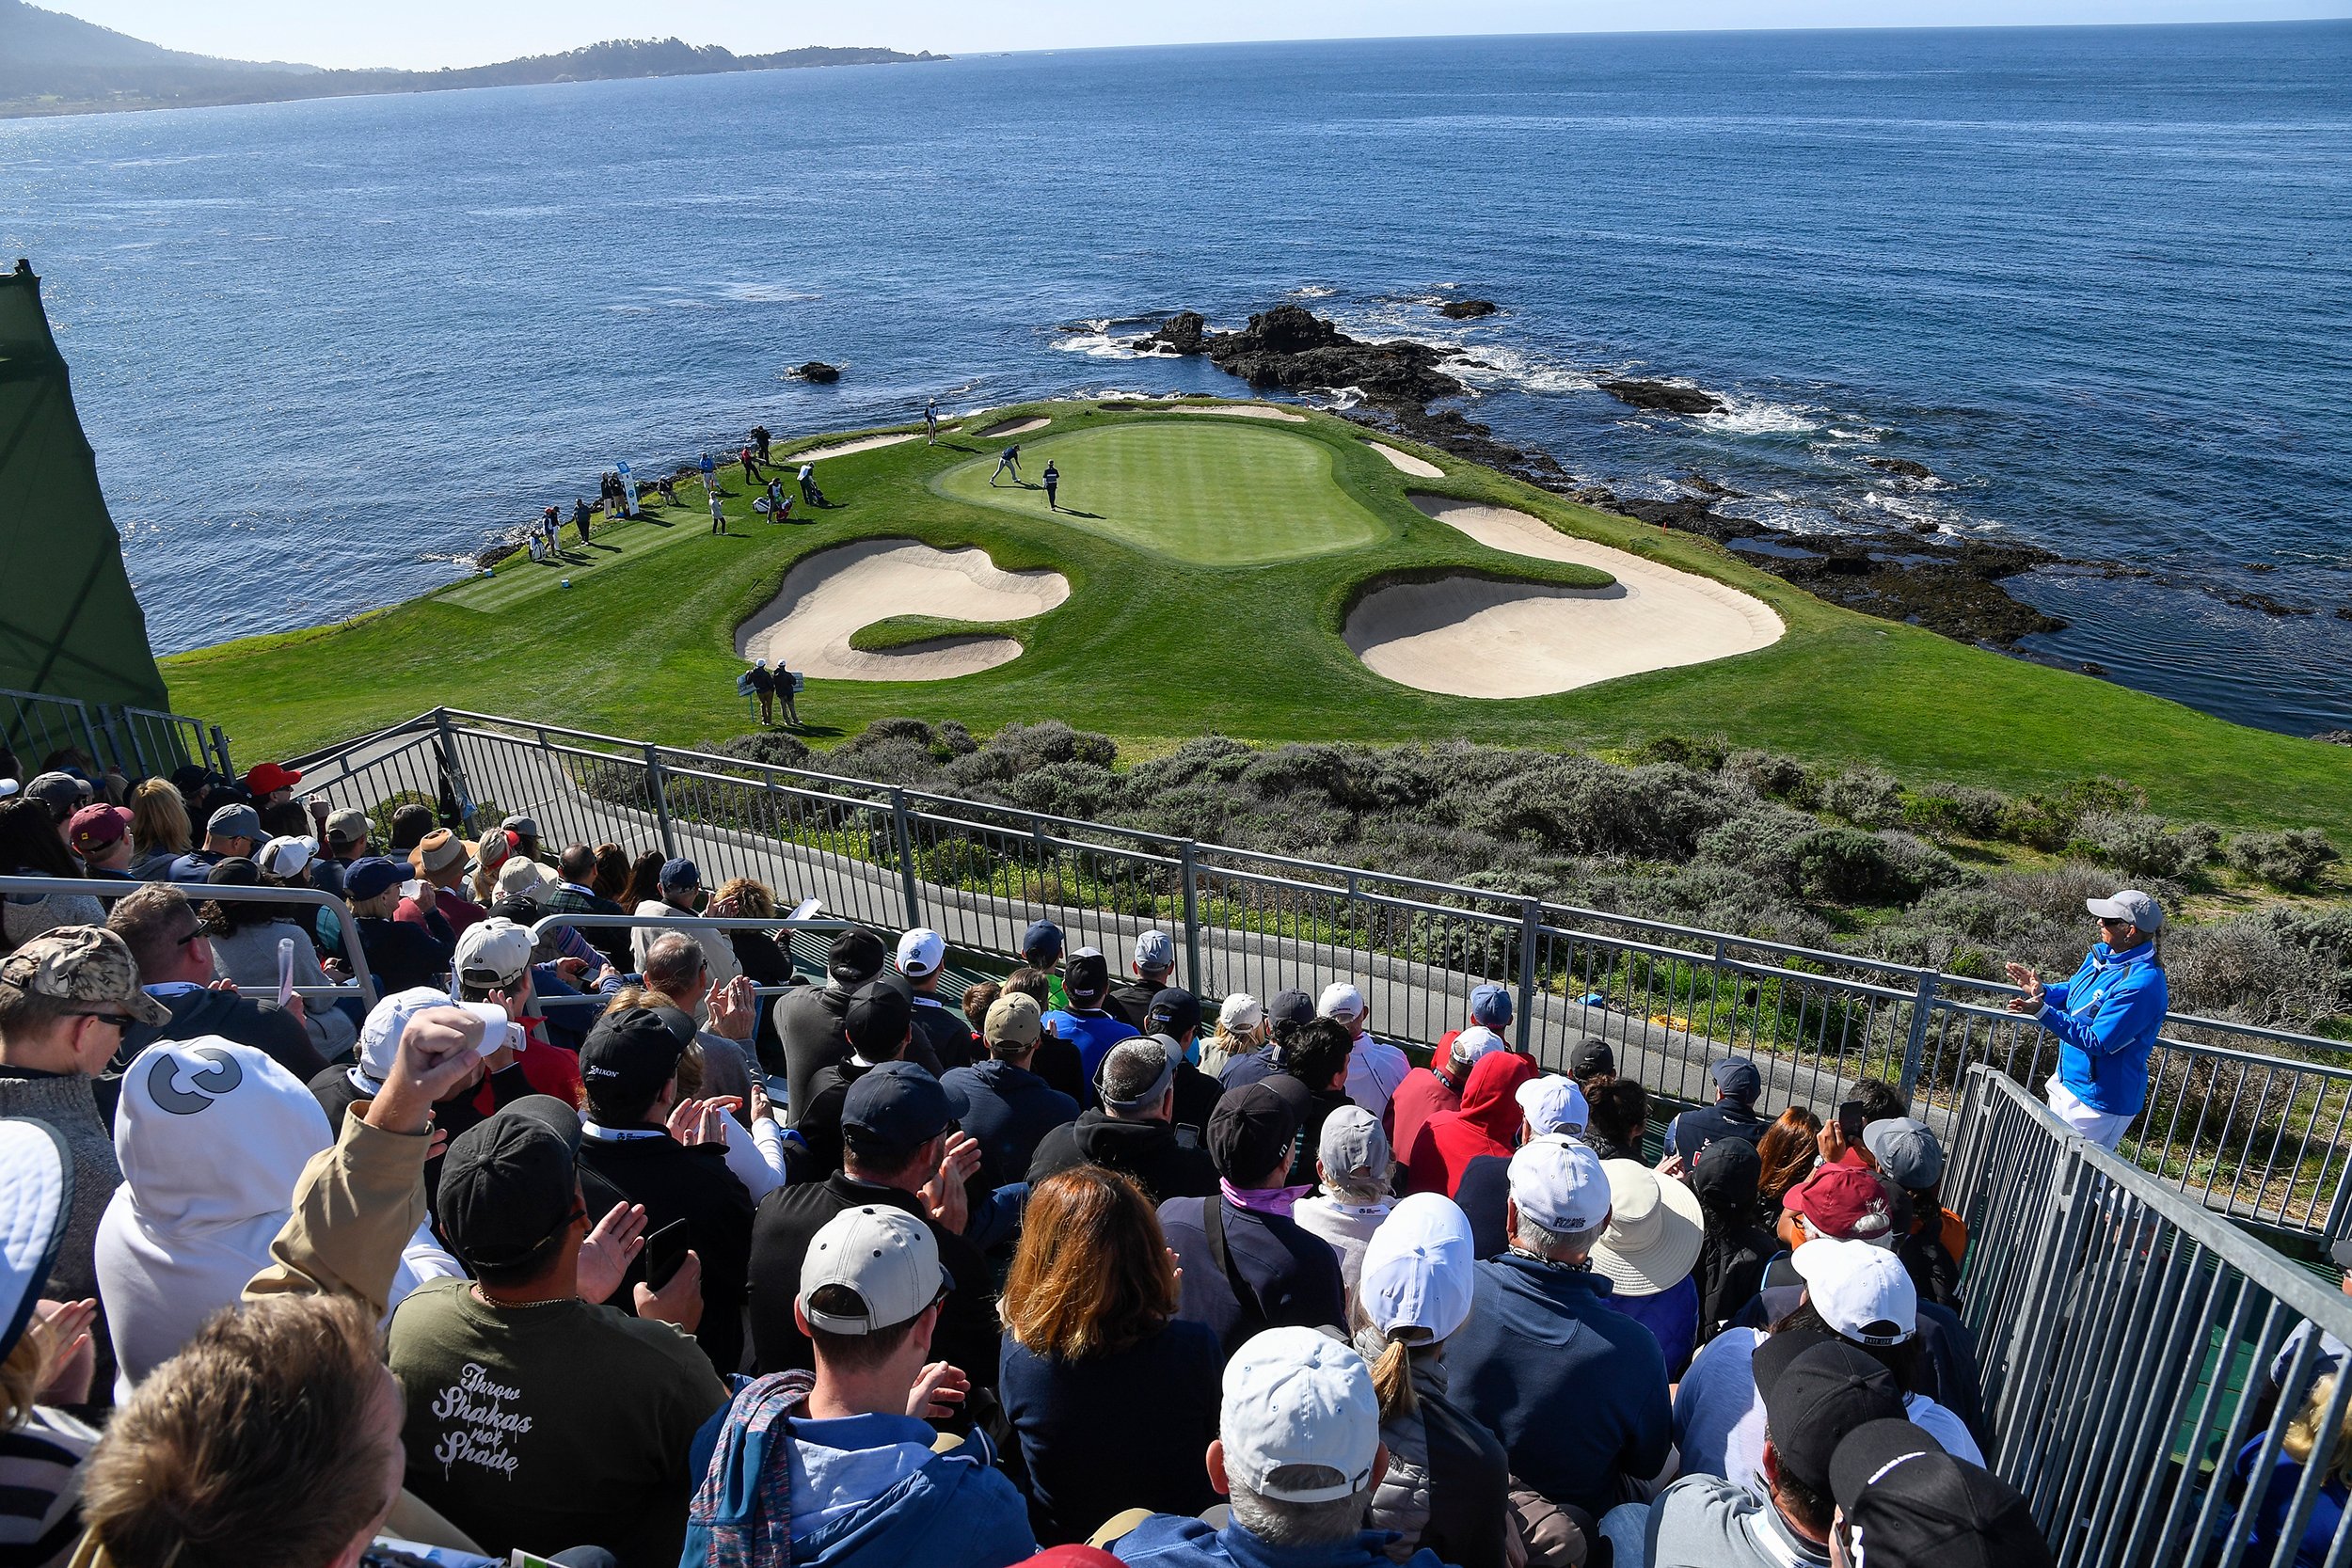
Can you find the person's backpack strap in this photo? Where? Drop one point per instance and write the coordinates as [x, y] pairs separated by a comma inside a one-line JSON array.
[[1254, 1314]]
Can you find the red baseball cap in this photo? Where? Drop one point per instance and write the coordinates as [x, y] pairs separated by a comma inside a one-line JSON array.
[[266, 779], [1844, 1201], [93, 827]]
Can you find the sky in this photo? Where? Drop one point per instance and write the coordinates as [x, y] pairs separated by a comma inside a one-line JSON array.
[[428, 34]]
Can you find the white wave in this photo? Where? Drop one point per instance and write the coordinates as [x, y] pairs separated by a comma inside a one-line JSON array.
[[1313, 290], [1495, 364], [1339, 399], [1744, 415], [764, 293], [1100, 345]]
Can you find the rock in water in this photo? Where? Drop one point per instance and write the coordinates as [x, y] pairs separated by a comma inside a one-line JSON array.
[[819, 371], [1290, 346], [1468, 309], [1664, 396], [1901, 467], [1182, 333]]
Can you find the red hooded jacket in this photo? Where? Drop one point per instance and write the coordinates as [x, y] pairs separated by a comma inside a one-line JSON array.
[[1487, 1123]]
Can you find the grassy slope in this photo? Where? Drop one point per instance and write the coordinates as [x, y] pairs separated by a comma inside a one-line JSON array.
[[1150, 650]]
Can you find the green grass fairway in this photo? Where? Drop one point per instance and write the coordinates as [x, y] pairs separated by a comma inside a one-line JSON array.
[[1185, 488], [1209, 594]]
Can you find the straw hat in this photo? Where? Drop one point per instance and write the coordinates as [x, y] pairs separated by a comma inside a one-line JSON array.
[[1655, 1230]]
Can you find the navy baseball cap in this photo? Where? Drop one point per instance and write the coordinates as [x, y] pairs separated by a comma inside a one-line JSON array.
[[1088, 977], [680, 873], [1042, 944], [1737, 1077], [1291, 1007], [1175, 1010], [894, 1110], [1491, 1005], [375, 875]]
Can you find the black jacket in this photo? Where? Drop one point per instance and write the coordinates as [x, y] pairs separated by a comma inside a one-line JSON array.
[[1470, 1486], [402, 955], [1167, 1164], [1010, 1110], [809, 1023], [788, 1220], [943, 1030], [676, 1181], [336, 1093], [1131, 999], [239, 1020], [1692, 1130]]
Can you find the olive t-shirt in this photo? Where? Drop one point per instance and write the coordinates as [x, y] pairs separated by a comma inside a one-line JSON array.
[[551, 1427]]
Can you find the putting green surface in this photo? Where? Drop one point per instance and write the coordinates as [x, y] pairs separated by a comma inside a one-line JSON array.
[[1198, 491]]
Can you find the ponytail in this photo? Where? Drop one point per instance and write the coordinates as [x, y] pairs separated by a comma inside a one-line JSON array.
[[1392, 1379]]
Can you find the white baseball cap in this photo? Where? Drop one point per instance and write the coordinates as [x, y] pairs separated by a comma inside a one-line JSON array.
[[1340, 1000], [1554, 1104], [1476, 1041], [379, 1037], [493, 952], [1559, 1184], [885, 1255], [36, 1200], [1861, 1290], [1417, 1269], [2131, 904], [1239, 1013], [1294, 1396], [921, 952], [1155, 951], [1656, 1229], [285, 857]]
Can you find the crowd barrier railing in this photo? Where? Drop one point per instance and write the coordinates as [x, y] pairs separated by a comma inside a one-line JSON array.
[[136, 742], [2129, 1338], [107, 889], [769, 924], [2254, 1123]]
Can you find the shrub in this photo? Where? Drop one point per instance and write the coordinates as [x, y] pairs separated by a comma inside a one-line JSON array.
[[1065, 788], [2257, 969], [772, 747], [2047, 819], [1863, 797], [2138, 844], [951, 740], [1955, 811], [2291, 860], [1844, 865], [1767, 773], [1763, 842], [1705, 753]]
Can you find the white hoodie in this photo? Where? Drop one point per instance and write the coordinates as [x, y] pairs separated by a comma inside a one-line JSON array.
[[212, 1137]]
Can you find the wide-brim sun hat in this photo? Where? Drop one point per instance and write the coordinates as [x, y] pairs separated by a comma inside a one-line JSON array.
[[1655, 1230], [36, 1202]]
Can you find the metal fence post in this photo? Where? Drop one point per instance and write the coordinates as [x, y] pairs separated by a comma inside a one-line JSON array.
[[1531, 933], [1191, 874], [657, 790], [907, 884], [221, 750], [454, 770], [1916, 1048]]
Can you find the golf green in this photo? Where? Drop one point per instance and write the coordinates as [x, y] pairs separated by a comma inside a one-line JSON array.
[[1200, 490]]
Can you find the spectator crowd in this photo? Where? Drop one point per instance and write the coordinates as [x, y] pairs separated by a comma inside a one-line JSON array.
[[590, 1241]]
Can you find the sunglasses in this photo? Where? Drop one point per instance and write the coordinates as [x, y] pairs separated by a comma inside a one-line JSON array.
[[120, 1021]]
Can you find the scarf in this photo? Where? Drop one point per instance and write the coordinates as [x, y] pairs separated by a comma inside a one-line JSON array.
[[741, 1516], [1277, 1202]]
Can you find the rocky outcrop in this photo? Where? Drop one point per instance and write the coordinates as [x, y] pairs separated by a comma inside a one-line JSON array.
[[1185, 332], [1901, 467], [1468, 309], [820, 373], [1663, 397], [1291, 347]]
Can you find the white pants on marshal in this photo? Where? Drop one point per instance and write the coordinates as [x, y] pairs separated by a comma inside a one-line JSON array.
[[2103, 1128]]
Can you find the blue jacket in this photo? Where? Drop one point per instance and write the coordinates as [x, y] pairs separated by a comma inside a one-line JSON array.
[[1093, 1033], [1543, 1339], [1172, 1541], [1007, 1109], [2107, 1018]]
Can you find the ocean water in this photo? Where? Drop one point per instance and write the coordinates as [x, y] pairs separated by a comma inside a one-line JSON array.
[[2098, 280]]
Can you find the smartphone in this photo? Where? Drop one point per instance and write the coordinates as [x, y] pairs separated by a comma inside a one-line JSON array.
[[1849, 1122], [665, 1249]]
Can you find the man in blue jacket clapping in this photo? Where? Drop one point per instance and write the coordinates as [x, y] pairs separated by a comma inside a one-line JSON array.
[[2107, 1018]]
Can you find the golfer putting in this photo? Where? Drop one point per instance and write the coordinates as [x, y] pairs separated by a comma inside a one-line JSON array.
[[1008, 459]]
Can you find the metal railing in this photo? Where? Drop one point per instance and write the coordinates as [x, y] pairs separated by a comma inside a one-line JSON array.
[[107, 889], [2253, 1123], [136, 742], [770, 926], [2129, 1340]]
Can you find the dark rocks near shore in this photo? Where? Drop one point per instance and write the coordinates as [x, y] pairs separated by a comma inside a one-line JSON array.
[[820, 373], [1291, 347], [1662, 397], [1468, 309], [1186, 332], [2334, 737], [1901, 467]]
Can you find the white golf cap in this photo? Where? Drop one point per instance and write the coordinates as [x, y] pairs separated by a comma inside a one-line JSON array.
[[35, 1197], [885, 1255], [1476, 1041], [379, 1037], [1155, 951], [1353, 1148], [1559, 1184], [1239, 1013], [1417, 1269], [1554, 1104], [1340, 1000], [1655, 1230], [2130, 904], [526, 880], [1296, 1397], [493, 952], [1861, 1290], [921, 952], [285, 857]]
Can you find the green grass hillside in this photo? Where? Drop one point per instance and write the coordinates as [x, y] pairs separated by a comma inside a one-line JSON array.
[[1211, 564]]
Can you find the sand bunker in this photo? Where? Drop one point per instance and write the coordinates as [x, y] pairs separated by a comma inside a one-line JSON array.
[[1236, 410], [1472, 636], [827, 597], [1405, 462], [843, 449], [1016, 427]]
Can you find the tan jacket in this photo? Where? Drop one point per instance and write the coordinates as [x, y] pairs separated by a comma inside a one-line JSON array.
[[354, 1210]]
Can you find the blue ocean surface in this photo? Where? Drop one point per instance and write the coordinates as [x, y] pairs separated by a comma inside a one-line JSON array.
[[2098, 280]]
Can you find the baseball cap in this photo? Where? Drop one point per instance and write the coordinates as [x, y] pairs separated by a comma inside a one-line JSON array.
[[1174, 1010], [885, 1256], [509, 1182], [1291, 1007], [36, 1206], [628, 1055], [1293, 1396], [1592, 1054], [1490, 1005], [876, 1021], [1737, 1077], [679, 874], [1863, 1291], [1553, 1103], [286, 857], [1155, 952], [95, 828], [1655, 1230], [365, 879], [1846, 1202], [234, 821], [1239, 1013], [236, 871], [1041, 942], [1918, 1507], [1087, 976], [267, 778], [1559, 1184], [380, 1034], [894, 1110], [1340, 1000], [920, 952], [855, 957], [493, 952], [528, 880], [62, 793], [518, 823], [1157, 1057], [1473, 1043], [1814, 1399], [2130, 904], [347, 826], [491, 852], [1906, 1151], [1013, 1020], [1353, 1148], [1725, 1174], [436, 852], [1251, 1128], [1417, 1269], [81, 963]]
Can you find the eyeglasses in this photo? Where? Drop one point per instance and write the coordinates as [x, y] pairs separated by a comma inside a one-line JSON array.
[[120, 1021]]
